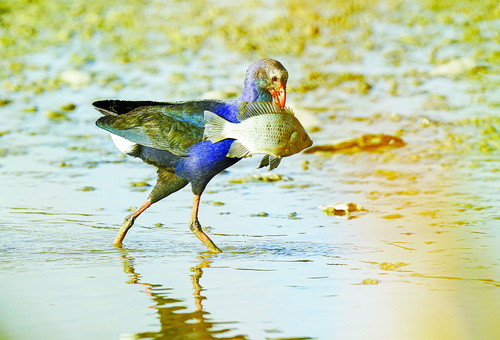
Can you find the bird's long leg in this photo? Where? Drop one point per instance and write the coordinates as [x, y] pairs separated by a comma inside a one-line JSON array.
[[129, 221], [195, 227], [166, 184]]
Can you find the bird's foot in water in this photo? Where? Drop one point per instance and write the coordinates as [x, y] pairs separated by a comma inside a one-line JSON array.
[[195, 227], [127, 224]]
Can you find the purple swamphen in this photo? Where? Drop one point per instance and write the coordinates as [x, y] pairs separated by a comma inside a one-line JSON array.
[[170, 137]]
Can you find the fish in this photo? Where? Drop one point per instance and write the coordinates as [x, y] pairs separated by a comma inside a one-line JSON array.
[[263, 128], [272, 161]]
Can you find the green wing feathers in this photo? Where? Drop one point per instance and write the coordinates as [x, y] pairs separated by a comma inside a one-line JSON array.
[[154, 128]]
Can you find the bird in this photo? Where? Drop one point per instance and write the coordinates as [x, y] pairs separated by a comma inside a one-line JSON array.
[[169, 136]]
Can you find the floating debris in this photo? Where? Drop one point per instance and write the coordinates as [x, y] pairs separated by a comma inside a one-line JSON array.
[[392, 216], [68, 107], [295, 186], [368, 142], [75, 78], [305, 165], [138, 184], [341, 209], [30, 109], [454, 67], [391, 265], [5, 101], [266, 177], [86, 188], [261, 214], [56, 116], [370, 282], [214, 203]]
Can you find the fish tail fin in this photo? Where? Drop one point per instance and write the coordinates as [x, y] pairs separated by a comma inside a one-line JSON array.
[[214, 127]]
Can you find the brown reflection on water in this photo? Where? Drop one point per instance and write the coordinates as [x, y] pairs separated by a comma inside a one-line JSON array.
[[176, 322]]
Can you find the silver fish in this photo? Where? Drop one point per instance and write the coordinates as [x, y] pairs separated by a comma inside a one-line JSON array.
[[264, 128]]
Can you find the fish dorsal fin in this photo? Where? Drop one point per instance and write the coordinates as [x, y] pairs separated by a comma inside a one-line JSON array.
[[253, 109], [238, 150]]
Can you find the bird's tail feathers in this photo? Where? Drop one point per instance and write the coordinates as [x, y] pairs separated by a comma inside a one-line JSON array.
[[214, 127]]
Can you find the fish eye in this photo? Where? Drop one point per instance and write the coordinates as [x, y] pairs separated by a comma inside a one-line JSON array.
[[304, 138]]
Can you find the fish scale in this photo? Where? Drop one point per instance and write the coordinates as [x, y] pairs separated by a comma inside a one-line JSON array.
[[264, 128], [270, 135]]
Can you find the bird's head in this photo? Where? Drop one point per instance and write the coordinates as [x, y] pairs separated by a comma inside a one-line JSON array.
[[266, 81]]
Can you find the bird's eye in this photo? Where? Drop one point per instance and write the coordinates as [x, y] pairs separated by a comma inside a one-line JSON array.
[[304, 137], [274, 78]]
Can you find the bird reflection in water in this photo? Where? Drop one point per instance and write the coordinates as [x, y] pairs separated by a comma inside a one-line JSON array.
[[174, 323]]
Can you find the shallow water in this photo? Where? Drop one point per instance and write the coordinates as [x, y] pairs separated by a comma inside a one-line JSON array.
[[419, 261]]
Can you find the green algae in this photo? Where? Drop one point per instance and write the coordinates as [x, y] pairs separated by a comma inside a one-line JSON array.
[[294, 186], [260, 214], [370, 282], [56, 116], [138, 184], [87, 188], [266, 177], [30, 109], [68, 107], [61, 21], [349, 82], [128, 26], [215, 203], [389, 266]]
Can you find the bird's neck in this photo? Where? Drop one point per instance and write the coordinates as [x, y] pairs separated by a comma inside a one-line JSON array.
[[254, 93]]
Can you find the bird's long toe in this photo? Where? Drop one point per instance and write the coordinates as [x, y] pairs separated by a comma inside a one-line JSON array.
[[127, 224], [195, 227]]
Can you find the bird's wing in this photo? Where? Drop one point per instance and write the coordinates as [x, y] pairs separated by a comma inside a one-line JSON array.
[[119, 107], [186, 109], [157, 126]]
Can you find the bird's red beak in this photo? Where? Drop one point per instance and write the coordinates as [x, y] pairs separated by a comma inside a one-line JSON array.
[[279, 95]]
